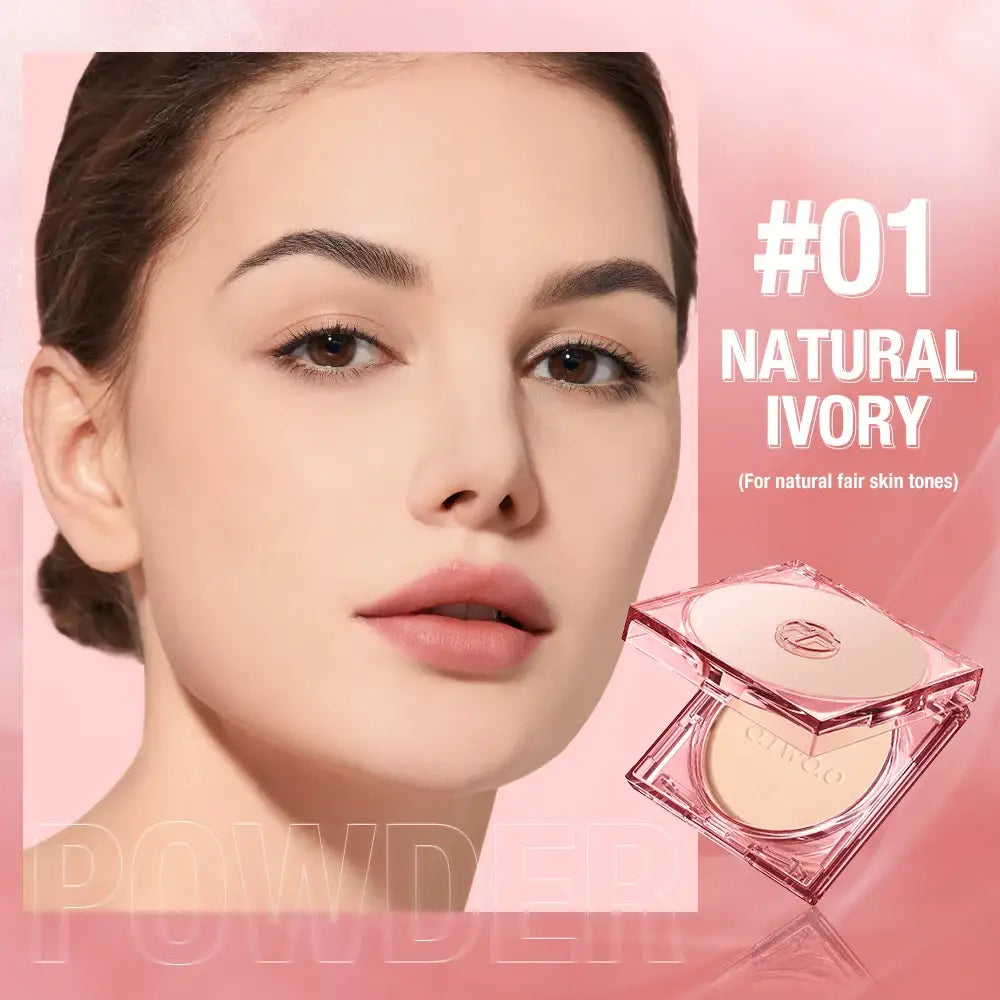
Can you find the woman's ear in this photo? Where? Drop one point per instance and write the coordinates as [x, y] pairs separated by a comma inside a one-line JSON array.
[[76, 443]]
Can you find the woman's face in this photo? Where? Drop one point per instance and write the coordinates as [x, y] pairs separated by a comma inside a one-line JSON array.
[[275, 496]]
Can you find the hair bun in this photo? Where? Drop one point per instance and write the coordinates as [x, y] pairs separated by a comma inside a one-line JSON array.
[[89, 606]]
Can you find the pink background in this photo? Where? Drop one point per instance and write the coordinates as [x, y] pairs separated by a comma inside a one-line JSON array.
[[819, 101], [885, 102]]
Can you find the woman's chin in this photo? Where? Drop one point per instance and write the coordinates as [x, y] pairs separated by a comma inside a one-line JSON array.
[[446, 770]]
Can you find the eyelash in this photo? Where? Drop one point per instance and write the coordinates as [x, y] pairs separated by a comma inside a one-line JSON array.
[[634, 371]]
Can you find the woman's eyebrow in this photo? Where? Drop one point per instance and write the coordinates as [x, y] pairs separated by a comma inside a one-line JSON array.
[[389, 266], [619, 274], [373, 260]]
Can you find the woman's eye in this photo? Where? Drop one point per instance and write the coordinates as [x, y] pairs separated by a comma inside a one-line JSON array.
[[335, 349], [579, 366]]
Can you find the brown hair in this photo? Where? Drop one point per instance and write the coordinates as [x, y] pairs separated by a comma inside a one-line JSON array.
[[133, 135]]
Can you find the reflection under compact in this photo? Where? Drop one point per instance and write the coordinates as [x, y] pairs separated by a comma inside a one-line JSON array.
[[804, 957]]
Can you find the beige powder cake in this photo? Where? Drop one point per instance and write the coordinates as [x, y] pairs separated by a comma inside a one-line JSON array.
[[764, 782]]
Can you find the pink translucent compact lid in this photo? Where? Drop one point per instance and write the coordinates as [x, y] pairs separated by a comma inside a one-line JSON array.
[[828, 666]]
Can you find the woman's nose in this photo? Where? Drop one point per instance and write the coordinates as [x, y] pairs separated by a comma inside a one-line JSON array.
[[473, 466]]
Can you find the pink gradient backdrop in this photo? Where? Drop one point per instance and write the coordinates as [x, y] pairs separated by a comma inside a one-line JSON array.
[[821, 100], [815, 107]]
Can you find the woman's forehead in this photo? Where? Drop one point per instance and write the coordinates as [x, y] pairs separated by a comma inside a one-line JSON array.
[[438, 155]]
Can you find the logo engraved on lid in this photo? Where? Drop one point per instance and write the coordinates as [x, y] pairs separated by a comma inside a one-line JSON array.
[[808, 639]]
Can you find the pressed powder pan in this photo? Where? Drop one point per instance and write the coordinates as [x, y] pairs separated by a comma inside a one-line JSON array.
[[759, 780]]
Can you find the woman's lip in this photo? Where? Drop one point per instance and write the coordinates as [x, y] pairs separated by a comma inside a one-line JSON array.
[[455, 645], [495, 585]]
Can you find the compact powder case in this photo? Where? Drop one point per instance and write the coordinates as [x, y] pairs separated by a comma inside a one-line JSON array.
[[815, 711]]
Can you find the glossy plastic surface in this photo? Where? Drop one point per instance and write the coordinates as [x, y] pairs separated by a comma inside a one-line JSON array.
[[661, 628]]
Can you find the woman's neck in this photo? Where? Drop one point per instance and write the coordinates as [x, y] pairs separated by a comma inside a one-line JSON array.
[[209, 817]]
